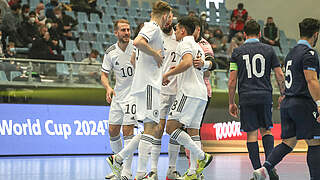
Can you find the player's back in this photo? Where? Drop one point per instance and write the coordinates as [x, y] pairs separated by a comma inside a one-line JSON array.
[[255, 61], [300, 58]]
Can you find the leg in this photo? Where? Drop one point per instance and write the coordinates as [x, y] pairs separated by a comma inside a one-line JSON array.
[[267, 140], [127, 137], [313, 157], [115, 140], [156, 146], [194, 133], [253, 149]]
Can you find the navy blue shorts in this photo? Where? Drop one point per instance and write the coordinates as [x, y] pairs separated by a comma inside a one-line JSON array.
[[299, 118], [255, 116]]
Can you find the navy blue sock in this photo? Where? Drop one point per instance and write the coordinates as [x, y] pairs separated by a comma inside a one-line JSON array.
[[313, 160], [268, 144], [253, 149], [278, 153]]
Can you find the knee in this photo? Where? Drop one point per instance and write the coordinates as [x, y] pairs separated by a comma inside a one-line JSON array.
[[193, 132], [252, 136], [127, 130], [291, 142], [264, 132], [114, 130]]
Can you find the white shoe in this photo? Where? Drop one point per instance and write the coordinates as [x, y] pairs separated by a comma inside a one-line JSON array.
[[173, 175], [109, 176], [260, 174], [153, 175], [126, 177], [115, 166], [145, 177]]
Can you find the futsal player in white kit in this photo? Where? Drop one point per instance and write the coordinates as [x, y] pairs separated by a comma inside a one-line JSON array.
[[123, 107], [146, 86], [191, 98]]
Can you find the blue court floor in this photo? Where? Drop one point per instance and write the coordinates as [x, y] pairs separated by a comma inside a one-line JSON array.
[[224, 167]]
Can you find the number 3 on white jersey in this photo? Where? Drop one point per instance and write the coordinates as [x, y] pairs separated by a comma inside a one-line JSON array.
[[254, 65], [288, 73]]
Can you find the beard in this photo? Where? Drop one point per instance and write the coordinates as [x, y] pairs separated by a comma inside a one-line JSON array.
[[167, 29], [124, 39]]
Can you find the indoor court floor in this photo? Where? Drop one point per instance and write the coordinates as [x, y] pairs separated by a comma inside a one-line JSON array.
[[224, 167]]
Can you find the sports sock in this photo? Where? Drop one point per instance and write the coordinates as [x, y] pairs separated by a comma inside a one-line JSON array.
[[129, 149], [268, 144], [116, 144], [313, 160], [155, 153], [253, 149], [278, 153], [173, 152], [144, 149], [184, 139], [193, 159], [128, 161]]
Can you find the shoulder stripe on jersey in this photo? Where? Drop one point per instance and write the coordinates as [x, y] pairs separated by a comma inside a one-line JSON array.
[[145, 36], [111, 48]]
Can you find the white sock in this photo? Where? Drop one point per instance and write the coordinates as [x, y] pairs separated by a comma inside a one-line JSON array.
[[116, 144], [155, 153], [173, 152], [128, 161], [184, 139], [144, 149], [129, 149], [193, 157]]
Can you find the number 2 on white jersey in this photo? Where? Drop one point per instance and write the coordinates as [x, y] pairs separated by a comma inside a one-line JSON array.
[[254, 65]]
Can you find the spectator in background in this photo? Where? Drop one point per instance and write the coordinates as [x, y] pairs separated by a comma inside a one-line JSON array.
[[40, 14], [25, 12], [236, 41], [29, 30], [13, 2], [10, 51], [203, 22], [65, 24], [192, 14], [10, 24], [43, 47], [90, 73], [238, 19], [4, 8], [85, 6], [218, 42], [49, 8], [271, 33]]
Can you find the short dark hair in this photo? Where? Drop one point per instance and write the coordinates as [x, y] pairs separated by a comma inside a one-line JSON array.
[[240, 5], [32, 13], [196, 21], [160, 8], [252, 28], [308, 27], [116, 23], [25, 6], [95, 52], [16, 6], [188, 24]]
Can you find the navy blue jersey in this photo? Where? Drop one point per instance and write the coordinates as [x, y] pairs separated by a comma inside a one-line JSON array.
[[301, 57], [255, 61]]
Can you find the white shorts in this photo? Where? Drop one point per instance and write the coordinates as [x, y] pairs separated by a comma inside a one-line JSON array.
[[148, 105], [166, 102], [187, 110], [123, 113]]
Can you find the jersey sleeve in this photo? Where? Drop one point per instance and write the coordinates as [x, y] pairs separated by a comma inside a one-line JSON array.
[[148, 32], [274, 60], [107, 64], [310, 61], [185, 48], [233, 61]]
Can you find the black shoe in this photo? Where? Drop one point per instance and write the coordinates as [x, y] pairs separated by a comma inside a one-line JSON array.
[[273, 174]]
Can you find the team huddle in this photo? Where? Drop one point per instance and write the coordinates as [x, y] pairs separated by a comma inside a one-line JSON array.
[[160, 83]]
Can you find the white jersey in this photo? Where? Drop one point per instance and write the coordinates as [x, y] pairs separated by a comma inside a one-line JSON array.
[[118, 61], [147, 70], [191, 82], [170, 45]]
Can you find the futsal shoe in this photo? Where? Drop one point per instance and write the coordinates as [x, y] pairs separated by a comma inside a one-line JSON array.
[[273, 174], [145, 177], [153, 175], [173, 175], [260, 174], [115, 166], [126, 177], [186, 176], [109, 176], [201, 176], [204, 163]]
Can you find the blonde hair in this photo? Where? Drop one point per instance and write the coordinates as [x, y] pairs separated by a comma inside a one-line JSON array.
[[160, 8], [116, 23]]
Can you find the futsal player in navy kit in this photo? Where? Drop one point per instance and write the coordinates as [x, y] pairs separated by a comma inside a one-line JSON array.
[[251, 66], [301, 106]]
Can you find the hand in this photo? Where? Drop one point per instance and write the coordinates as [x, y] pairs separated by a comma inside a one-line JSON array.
[[159, 58], [66, 27], [172, 67], [233, 110], [54, 42], [198, 63], [280, 99], [109, 95], [165, 80], [318, 118]]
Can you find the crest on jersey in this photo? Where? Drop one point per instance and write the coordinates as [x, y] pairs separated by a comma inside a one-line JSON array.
[[312, 53], [315, 114], [117, 63], [155, 113]]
